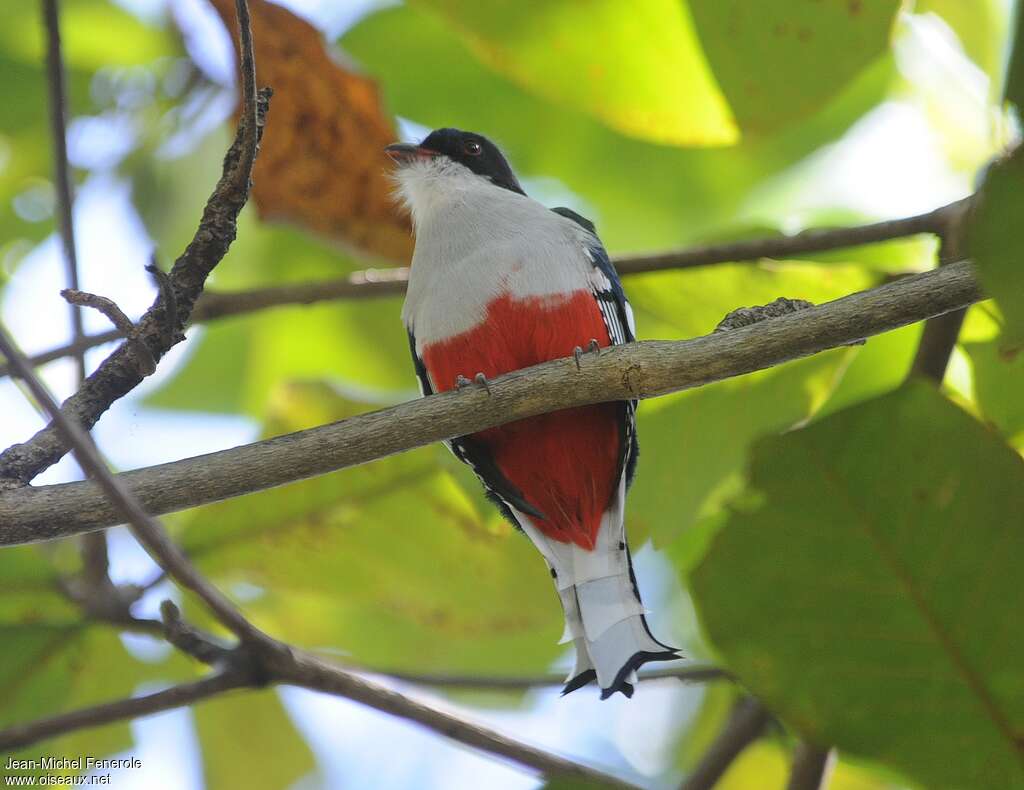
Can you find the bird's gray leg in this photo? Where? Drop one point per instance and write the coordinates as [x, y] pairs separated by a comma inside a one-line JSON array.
[[479, 380], [593, 347]]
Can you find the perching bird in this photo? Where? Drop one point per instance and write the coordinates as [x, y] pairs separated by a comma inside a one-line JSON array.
[[499, 282]]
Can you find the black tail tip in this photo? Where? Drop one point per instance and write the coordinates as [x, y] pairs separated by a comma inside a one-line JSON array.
[[636, 661], [579, 681], [624, 688], [620, 684]]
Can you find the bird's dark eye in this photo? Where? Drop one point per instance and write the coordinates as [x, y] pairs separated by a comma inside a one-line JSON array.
[[472, 147]]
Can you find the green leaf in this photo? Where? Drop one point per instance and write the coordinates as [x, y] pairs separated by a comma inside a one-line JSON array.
[[642, 196], [779, 61], [93, 35], [693, 445], [391, 562], [995, 244], [248, 740], [693, 448], [999, 384], [870, 594], [53, 661], [637, 67]]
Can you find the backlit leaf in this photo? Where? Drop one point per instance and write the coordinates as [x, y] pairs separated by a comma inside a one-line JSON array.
[[779, 61], [322, 163], [637, 67]]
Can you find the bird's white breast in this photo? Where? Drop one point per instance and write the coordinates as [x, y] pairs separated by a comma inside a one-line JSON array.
[[475, 242]]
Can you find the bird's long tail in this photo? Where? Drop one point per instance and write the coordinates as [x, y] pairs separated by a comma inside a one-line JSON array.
[[604, 617]]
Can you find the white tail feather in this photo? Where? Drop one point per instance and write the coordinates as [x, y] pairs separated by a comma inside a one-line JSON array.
[[604, 617]]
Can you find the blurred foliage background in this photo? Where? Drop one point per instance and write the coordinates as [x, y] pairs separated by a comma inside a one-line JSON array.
[[846, 545]]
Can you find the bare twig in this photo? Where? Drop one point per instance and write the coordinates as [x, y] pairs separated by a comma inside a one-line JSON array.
[[637, 370], [747, 721], [119, 373], [166, 288], [190, 640], [147, 365], [149, 532], [377, 283], [940, 333], [62, 171], [174, 697], [810, 767]]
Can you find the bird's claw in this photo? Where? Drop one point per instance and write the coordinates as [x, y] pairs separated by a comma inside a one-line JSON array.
[[479, 380], [593, 347]]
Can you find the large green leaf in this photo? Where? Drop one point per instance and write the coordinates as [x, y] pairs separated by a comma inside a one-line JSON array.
[[637, 67], [693, 448], [643, 196], [779, 61], [391, 562], [868, 592], [248, 740]]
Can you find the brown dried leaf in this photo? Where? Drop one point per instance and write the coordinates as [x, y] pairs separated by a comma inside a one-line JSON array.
[[321, 164]]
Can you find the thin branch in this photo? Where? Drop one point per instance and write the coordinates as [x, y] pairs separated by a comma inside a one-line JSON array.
[[688, 674], [62, 171], [95, 561], [146, 529], [940, 333], [803, 243], [637, 370], [377, 283], [117, 317], [120, 372], [166, 288], [21, 735], [746, 723], [810, 767]]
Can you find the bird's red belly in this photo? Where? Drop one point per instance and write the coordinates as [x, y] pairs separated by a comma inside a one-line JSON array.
[[565, 463]]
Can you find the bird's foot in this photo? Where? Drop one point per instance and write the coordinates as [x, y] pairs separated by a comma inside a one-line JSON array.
[[593, 347], [479, 380]]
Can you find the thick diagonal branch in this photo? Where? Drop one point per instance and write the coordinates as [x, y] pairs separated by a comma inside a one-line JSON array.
[[637, 370]]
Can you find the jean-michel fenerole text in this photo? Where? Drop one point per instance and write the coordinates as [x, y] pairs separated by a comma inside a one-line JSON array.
[[71, 764]]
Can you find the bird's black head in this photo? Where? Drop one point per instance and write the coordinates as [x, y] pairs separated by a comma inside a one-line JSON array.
[[470, 149]]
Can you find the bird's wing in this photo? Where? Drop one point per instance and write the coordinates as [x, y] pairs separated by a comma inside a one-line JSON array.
[[618, 320], [473, 454]]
